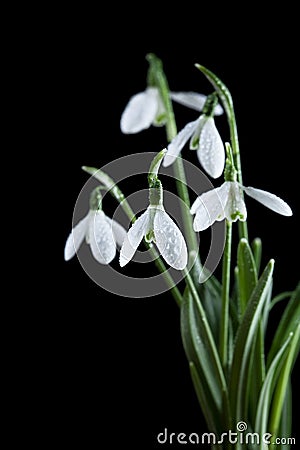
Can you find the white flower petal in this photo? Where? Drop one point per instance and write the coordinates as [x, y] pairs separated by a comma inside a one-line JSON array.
[[118, 230], [170, 241], [140, 112], [194, 101], [133, 239], [269, 200], [76, 237], [210, 207], [211, 152], [218, 110], [235, 208], [101, 238], [175, 147]]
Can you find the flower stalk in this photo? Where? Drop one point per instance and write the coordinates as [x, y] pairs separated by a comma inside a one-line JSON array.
[[223, 324], [158, 75]]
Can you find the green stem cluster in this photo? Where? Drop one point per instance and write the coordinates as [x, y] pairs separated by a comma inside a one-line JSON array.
[[223, 336]]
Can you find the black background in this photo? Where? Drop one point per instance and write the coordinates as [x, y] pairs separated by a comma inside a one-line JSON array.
[[118, 371]]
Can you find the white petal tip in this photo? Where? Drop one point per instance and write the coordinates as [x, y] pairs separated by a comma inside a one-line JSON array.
[[168, 160], [218, 110], [67, 256], [180, 266], [123, 261], [127, 130], [215, 175], [244, 241], [289, 212]]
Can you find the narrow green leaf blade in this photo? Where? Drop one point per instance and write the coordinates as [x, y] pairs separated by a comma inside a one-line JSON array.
[[203, 399], [196, 348], [289, 323], [263, 408], [285, 429], [244, 341], [281, 388], [247, 274], [256, 372], [197, 341], [257, 250]]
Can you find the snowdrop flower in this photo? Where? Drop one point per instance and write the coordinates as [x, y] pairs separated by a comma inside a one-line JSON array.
[[155, 225], [204, 137], [143, 109], [147, 108], [226, 202], [100, 232]]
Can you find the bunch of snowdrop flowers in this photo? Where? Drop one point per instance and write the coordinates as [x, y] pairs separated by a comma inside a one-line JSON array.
[[223, 327]]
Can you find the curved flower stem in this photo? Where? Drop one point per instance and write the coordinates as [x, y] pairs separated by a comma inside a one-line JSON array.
[[243, 229], [225, 295], [111, 187], [171, 131], [226, 99]]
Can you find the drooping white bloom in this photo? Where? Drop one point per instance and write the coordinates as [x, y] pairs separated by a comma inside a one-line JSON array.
[[100, 232], [146, 108], [143, 109], [227, 202], [205, 138], [156, 225]]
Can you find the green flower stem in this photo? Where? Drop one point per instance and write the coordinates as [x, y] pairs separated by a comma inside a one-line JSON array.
[[226, 99], [116, 192], [181, 185], [110, 186], [243, 229], [212, 346], [171, 131], [225, 295]]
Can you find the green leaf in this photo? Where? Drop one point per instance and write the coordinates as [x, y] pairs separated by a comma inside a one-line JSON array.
[[263, 408], [211, 300], [247, 280], [266, 311], [203, 399], [257, 249], [210, 293], [247, 274], [285, 429], [281, 388], [244, 341], [198, 351], [279, 298], [256, 372], [289, 322]]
